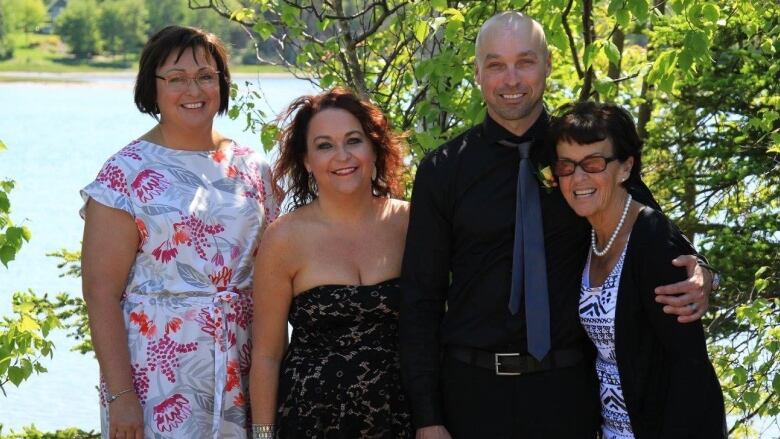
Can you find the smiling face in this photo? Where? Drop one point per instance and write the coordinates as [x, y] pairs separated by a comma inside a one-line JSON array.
[[511, 68], [598, 195], [338, 152], [195, 106]]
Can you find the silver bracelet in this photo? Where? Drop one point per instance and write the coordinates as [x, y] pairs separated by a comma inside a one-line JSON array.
[[263, 431], [111, 398]]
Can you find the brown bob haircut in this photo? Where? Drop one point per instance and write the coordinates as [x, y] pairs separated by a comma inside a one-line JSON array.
[[389, 147], [177, 39]]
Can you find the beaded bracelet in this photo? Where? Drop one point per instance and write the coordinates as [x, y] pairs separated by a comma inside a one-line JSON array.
[[263, 431], [111, 398]]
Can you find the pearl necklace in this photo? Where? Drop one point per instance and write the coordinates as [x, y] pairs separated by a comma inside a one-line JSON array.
[[614, 234]]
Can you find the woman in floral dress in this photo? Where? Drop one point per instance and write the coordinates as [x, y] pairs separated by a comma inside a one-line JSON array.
[[172, 223]]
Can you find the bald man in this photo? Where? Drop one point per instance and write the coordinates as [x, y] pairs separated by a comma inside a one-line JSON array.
[[464, 355]]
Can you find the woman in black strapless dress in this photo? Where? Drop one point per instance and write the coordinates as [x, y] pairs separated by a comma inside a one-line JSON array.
[[340, 376], [330, 267]]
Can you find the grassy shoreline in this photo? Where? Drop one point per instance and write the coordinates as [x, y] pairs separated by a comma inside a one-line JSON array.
[[46, 54]]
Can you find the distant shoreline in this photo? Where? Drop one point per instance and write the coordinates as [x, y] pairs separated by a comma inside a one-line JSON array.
[[123, 75]]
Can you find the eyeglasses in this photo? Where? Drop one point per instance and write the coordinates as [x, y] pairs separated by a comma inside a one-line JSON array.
[[206, 79], [591, 164]]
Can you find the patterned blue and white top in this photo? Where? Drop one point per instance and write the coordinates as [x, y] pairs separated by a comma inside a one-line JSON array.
[[597, 316]]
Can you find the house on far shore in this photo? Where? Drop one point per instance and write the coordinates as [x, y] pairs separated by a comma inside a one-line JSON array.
[[53, 10]]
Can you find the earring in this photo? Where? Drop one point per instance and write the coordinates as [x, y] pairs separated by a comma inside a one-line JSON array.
[[312, 183], [373, 173]]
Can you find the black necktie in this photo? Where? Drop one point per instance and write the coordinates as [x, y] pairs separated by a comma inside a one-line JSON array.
[[529, 270]]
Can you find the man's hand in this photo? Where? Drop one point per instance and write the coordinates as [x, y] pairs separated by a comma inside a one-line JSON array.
[[688, 299], [433, 432]]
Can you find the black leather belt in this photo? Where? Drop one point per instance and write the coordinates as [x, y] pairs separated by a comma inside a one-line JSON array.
[[510, 363]]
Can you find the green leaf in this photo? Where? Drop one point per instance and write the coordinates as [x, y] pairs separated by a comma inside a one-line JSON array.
[[590, 53], [740, 376], [268, 136], [768, 46], [28, 324], [421, 29], [776, 383], [27, 368], [711, 12], [678, 6], [760, 272], [13, 236], [327, 80], [612, 52], [439, 5], [751, 398], [5, 205], [685, 60], [623, 18], [454, 14], [15, 375], [243, 14], [4, 363], [7, 254], [323, 25], [698, 43], [640, 9], [264, 29], [614, 6], [2, 146]]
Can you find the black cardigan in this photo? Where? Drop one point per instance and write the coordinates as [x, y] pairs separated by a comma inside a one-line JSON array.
[[669, 385]]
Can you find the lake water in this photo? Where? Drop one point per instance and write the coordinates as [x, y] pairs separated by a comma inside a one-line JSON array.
[[58, 136]]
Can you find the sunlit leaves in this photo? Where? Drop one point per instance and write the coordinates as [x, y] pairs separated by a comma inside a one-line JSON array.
[[23, 338], [421, 29]]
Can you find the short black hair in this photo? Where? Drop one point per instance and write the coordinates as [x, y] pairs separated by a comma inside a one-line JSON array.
[[589, 122], [177, 39]]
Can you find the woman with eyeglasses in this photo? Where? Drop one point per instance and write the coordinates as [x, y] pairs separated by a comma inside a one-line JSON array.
[[172, 223], [656, 380]]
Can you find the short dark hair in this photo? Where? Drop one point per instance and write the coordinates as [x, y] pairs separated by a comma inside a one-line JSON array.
[[177, 39], [588, 122], [389, 146]]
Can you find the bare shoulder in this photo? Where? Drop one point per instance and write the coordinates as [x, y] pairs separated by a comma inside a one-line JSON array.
[[398, 209], [283, 233], [397, 213]]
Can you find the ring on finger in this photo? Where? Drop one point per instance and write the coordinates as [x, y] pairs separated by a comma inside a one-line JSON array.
[[693, 307]]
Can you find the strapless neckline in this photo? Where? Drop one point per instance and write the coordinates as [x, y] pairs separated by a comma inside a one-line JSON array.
[[319, 287]]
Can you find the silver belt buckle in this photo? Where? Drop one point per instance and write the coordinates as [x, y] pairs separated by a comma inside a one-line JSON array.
[[498, 363]]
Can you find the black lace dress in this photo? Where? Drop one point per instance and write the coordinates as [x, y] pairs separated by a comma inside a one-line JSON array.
[[341, 377]]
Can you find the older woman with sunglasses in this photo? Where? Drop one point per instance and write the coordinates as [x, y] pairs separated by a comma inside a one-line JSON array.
[[656, 380], [172, 223]]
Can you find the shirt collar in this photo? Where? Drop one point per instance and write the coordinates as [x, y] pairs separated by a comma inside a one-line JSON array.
[[493, 131]]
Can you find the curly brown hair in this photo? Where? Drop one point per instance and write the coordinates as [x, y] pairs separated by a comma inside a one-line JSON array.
[[290, 171]]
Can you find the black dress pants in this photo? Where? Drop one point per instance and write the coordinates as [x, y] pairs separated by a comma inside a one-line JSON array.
[[555, 404]]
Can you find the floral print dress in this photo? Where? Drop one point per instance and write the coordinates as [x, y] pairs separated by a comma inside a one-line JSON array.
[[187, 304]]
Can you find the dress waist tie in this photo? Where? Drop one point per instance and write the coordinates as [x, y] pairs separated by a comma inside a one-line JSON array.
[[218, 307]]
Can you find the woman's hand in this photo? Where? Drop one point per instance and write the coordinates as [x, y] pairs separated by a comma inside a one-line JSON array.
[[125, 418]]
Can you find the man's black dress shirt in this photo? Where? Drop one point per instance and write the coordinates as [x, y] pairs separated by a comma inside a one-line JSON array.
[[457, 264]]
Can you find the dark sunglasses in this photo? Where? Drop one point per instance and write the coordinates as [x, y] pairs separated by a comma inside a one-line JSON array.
[[591, 164]]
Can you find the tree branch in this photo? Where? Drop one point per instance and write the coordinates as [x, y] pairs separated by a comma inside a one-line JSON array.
[[588, 37], [570, 36]]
